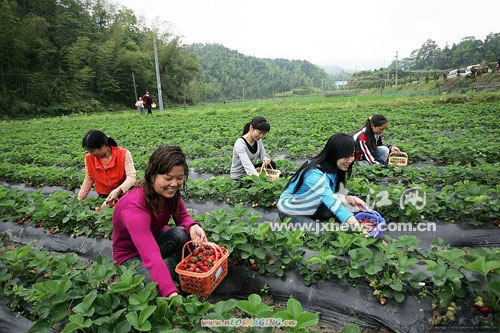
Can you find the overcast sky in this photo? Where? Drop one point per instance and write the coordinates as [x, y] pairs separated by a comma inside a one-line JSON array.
[[353, 34]]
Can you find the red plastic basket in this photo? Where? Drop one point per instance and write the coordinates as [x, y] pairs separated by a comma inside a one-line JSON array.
[[203, 284]]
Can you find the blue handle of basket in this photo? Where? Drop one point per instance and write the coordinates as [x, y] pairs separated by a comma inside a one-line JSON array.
[[376, 232], [371, 211]]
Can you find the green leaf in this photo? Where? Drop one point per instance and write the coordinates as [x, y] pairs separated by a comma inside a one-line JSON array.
[[133, 318], [399, 297], [84, 306], [146, 313], [294, 307], [372, 268], [260, 253], [225, 306], [452, 255], [307, 319], [453, 275], [477, 266], [253, 306], [351, 328], [397, 286], [495, 287]]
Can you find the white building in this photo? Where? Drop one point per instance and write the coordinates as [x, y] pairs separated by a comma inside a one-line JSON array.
[[340, 84]]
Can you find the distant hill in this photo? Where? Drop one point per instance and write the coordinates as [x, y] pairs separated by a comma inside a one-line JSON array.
[[229, 75], [338, 73], [333, 69]]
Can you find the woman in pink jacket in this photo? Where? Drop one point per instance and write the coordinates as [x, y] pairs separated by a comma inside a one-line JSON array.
[[140, 232]]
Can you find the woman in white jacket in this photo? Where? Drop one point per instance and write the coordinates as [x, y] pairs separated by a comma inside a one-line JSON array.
[[248, 149]]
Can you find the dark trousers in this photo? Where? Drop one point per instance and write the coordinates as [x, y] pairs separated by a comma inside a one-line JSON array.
[[149, 108], [170, 242]]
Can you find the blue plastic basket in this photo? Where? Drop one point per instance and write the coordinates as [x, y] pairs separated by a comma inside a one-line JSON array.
[[375, 216]]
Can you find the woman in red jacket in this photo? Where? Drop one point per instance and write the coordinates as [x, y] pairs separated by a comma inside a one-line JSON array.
[[107, 166], [369, 146]]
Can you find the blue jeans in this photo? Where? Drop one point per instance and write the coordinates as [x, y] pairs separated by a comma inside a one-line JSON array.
[[321, 214], [380, 154], [170, 242]]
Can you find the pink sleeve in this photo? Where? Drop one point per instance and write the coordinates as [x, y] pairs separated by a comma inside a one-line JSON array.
[[137, 221], [183, 219]]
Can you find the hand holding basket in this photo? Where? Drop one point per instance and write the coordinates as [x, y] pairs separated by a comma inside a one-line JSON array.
[[203, 269], [271, 173]]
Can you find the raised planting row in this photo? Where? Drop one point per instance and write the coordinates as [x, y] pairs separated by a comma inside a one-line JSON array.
[[426, 131], [60, 290], [335, 254], [465, 200]]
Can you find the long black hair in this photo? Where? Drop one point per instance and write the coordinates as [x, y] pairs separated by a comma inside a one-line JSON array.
[[338, 146], [376, 120], [95, 139], [160, 163], [259, 123]]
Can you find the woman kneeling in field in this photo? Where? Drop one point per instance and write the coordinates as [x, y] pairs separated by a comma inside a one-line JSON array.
[[312, 192], [140, 232], [109, 167], [369, 146], [249, 148]]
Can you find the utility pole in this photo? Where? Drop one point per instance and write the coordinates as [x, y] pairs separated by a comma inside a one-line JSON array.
[[272, 80], [243, 92], [396, 68], [322, 90], [158, 81], [135, 88], [184, 91]]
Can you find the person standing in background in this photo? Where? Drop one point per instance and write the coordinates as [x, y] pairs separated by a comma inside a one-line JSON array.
[[140, 105], [148, 101]]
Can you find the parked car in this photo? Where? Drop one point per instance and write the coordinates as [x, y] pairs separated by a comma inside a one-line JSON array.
[[475, 70], [457, 73]]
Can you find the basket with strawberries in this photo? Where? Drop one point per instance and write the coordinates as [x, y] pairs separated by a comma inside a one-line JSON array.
[[203, 269], [372, 222]]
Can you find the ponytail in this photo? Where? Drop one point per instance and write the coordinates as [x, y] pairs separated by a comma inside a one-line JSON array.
[[246, 128], [375, 120], [95, 139]]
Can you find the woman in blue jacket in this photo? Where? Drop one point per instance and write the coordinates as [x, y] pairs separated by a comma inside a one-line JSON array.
[[313, 192]]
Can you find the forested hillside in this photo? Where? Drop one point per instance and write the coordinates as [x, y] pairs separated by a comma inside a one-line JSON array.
[[467, 52], [68, 56], [431, 62], [60, 57], [228, 75]]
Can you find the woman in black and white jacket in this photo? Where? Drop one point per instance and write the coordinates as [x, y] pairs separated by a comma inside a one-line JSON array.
[[369, 146]]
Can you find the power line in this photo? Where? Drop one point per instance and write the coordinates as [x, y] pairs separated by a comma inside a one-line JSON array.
[[54, 75]]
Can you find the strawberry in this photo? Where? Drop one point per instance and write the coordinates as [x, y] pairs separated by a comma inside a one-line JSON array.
[[382, 300], [254, 267], [485, 310]]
